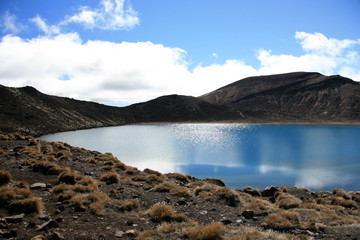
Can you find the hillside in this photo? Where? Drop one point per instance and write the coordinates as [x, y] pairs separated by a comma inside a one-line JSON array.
[[52, 190], [291, 98]]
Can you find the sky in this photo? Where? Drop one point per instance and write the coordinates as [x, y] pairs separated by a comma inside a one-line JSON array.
[[120, 52]]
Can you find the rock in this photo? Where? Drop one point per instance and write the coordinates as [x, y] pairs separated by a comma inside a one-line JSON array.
[[130, 232], [215, 181], [44, 217], [38, 186], [3, 224], [59, 219], [248, 214], [269, 191], [56, 236], [181, 202], [203, 212], [226, 221], [47, 225], [8, 234], [251, 191], [38, 237], [31, 225], [119, 234], [15, 219]]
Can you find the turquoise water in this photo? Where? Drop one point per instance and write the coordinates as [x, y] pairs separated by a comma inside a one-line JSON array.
[[315, 157]]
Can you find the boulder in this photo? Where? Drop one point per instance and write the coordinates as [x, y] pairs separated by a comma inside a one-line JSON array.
[[15, 219], [269, 191], [38, 186], [248, 214]]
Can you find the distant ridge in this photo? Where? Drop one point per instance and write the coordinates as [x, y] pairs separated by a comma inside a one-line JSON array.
[[299, 97]]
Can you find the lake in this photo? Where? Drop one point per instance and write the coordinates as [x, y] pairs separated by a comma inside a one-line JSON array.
[[314, 157]]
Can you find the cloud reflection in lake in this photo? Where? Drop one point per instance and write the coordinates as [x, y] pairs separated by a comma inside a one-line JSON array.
[[316, 157]]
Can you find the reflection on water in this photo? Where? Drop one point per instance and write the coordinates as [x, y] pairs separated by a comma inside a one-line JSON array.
[[316, 157]]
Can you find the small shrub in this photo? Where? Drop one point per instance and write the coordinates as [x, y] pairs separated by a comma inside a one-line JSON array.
[[209, 232], [29, 205], [110, 178], [162, 212], [5, 177]]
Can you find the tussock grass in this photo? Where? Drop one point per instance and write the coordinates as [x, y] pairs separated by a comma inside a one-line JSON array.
[[5, 177], [94, 201], [287, 201], [110, 178], [173, 189], [284, 220], [131, 170], [209, 232], [177, 176], [230, 197], [45, 167], [68, 176], [154, 179], [29, 205], [150, 171], [162, 212]]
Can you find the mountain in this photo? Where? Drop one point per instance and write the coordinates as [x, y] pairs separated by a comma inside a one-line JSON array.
[[291, 97], [299, 97], [29, 111]]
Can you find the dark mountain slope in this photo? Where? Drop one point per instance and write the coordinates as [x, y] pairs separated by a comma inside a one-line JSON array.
[[175, 108], [295, 97], [27, 110]]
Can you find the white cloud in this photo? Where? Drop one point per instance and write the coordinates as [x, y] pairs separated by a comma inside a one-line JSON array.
[[9, 24], [62, 64], [44, 27], [110, 15]]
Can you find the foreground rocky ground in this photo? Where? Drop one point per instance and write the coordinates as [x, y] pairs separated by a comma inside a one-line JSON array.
[[51, 190]]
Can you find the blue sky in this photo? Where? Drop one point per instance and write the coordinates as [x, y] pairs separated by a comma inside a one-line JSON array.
[[122, 51]]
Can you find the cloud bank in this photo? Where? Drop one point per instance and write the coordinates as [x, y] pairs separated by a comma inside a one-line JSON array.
[[61, 63], [131, 72]]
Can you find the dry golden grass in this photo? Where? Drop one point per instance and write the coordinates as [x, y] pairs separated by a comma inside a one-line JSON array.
[[341, 193], [162, 212], [260, 207], [68, 176], [45, 167], [47, 149], [5, 177], [130, 205], [209, 232], [154, 179], [177, 176], [28, 205], [173, 189], [108, 168], [287, 201], [230, 197], [150, 171], [283, 220], [138, 178], [2, 152], [110, 178], [94, 201], [62, 187], [7, 194], [131, 170]]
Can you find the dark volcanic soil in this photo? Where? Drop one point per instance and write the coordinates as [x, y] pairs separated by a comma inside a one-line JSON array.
[[91, 195]]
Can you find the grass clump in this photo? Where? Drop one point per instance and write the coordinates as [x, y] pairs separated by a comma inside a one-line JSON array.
[[110, 178], [68, 177], [5, 177], [230, 197], [284, 220], [178, 176], [287, 201], [28, 205], [162, 212], [209, 232], [154, 179], [94, 201], [173, 189]]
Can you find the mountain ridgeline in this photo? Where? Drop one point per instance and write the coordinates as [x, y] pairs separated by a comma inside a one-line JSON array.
[[298, 97]]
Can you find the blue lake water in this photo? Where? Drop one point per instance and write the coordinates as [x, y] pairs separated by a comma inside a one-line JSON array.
[[315, 157]]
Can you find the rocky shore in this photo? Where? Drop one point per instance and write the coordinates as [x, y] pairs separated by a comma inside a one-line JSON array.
[[51, 190]]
